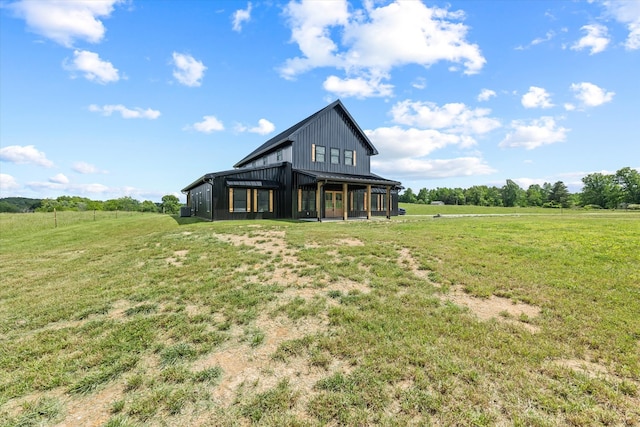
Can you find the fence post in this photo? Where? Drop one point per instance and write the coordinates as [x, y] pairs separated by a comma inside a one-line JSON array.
[[55, 218]]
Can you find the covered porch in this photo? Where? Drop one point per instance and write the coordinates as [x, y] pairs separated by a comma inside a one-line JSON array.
[[324, 196]]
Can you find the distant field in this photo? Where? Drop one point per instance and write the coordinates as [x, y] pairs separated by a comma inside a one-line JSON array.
[[147, 319]]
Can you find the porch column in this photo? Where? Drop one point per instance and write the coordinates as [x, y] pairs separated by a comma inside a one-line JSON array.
[[367, 202], [388, 202], [345, 207], [318, 200]]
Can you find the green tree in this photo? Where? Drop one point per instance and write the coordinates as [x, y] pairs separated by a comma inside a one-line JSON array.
[[559, 194], [629, 181], [408, 196], [601, 190], [535, 195], [477, 195], [148, 206], [423, 195], [512, 194], [170, 204]]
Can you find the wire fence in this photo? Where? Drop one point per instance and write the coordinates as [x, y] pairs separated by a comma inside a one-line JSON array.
[[19, 223]]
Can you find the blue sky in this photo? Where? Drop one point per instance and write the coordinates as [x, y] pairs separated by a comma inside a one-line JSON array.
[[104, 99]]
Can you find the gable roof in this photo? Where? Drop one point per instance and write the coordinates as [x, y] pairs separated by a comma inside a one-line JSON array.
[[286, 136]]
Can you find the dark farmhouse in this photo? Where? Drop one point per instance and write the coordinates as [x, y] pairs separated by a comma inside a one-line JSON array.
[[318, 168]]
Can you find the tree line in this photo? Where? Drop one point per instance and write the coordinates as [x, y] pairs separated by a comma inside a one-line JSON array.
[[605, 191], [170, 204]]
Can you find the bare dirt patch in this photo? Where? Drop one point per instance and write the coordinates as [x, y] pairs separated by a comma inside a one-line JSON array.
[[245, 367], [502, 309], [91, 410], [583, 366], [177, 258], [406, 259]]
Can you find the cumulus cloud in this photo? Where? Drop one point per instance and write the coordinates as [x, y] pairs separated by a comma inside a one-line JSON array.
[[188, 70], [400, 143], [85, 168], [374, 40], [66, 21], [207, 125], [126, 113], [596, 39], [92, 67], [358, 87], [591, 95], [240, 16], [628, 13], [486, 94], [412, 168], [453, 117], [422, 128], [264, 127], [27, 154], [537, 97], [59, 179], [534, 134], [8, 183]]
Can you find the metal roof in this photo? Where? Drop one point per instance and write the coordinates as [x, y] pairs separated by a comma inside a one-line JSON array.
[[287, 135], [353, 179]]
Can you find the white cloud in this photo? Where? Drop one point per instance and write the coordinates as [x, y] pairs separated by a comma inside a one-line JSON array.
[[596, 39], [454, 117], [399, 143], [537, 97], [85, 168], [411, 168], [358, 87], [591, 95], [27, 154], [189, 71], [240, 16], [536, 133], [569, 106], [374, 40], [126, 113], [207, 125], [93, 68], [486, 94], [59, 179], [66, 21], [264, 127], [59, 185], [627, 12], [8, 183]]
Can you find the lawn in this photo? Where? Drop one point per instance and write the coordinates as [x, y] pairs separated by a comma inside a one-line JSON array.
[[146, 319]]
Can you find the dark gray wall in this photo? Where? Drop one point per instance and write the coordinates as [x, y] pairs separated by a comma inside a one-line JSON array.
[[330, 130]]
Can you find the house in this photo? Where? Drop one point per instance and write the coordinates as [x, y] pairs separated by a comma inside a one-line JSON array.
[[317, 169]]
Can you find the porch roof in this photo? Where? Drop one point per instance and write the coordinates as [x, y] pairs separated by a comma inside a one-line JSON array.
[[339, 178]]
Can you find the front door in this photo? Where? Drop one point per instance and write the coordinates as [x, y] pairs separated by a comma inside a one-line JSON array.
[[333, 204]]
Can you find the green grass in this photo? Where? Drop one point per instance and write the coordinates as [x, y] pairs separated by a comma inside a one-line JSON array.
[[98, 305]]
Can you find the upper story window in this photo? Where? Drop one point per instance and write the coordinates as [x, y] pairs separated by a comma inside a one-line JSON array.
[[348, 157], [335, 156], [319, 153], [264, 160], [279, 155]]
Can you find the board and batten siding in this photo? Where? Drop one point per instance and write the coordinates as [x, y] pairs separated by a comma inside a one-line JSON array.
[[330, 130]]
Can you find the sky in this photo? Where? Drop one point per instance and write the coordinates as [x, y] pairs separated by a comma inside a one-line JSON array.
[[111, 98]]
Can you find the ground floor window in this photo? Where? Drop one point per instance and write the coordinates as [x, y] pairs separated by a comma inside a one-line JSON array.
[[263, 200], [250, 200], [378, 202], [357, 200], [306, 200]]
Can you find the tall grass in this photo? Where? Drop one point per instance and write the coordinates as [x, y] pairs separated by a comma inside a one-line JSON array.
[[138, 303]]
